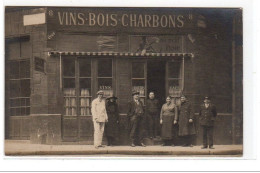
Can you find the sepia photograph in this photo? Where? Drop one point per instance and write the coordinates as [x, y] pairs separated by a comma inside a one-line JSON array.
[[123, 81]]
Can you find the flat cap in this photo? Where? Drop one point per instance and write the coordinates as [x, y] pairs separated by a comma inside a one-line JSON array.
[[100, 92], [135, 93]]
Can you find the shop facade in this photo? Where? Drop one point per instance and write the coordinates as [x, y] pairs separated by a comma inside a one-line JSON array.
[[56, 64]]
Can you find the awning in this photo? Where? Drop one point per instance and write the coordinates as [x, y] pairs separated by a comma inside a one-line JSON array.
[[118, 54]]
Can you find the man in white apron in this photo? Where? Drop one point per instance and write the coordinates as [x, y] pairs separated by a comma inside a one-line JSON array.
[[99, 117]]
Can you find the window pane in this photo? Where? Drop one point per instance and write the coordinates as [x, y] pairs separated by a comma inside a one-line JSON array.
[[18, 111], [174, 87], [13, 49], [106, 86], [15, 102], [85, 87], [137, 70], [69, 82], [15, 88], [23, 111], [105, 68], [12, 112], [84, 68], [174, 69], [23, 101], [25, 69], [14, 69], [139, 86], [26, 49], [69, 67], [28, 102], [28, 111], [25, 88]]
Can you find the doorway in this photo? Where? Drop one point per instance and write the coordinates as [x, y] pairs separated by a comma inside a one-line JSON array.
[[156, 79]]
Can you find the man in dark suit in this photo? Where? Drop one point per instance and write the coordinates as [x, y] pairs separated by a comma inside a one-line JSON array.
[[207, 116], [135, 115]]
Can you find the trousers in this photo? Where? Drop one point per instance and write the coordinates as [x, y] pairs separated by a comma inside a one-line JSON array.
[[207, 136], [153, 125], [136, 131], [98, 132]]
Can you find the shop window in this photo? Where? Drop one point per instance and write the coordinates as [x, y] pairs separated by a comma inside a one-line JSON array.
[[105, 77], [77, 86], [19, 84], [69, 84], [175, 78], [85, 86], [139, 79]]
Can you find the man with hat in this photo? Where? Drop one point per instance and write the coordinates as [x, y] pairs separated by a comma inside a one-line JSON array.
[[99, 117], [112, 126], [135, 115], [186, 124], [207, 116]]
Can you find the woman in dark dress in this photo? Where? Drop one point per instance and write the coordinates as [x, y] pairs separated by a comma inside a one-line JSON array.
[[168, 118], [111, 127]]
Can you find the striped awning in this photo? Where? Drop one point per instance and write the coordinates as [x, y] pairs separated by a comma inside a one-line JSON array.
[[118, 54]]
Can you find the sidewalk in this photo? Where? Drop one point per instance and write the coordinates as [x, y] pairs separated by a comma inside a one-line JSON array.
[[25, 148]]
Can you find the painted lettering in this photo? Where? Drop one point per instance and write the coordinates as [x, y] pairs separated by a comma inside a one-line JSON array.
[[140, 21], [92, 21], [133, 20], [81, 20], [147, 20], [180, 19], [114, 19], [172, 21], [124, 17], [155, 21], [73, 18], [61, 18]]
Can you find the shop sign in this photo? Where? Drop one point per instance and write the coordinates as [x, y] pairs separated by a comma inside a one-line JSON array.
[[117, 18]]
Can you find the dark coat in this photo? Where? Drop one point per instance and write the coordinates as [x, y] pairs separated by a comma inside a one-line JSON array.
[[152, 107], [131, 109], [111, 127], [208, 115], [136, 122], [184, 115]]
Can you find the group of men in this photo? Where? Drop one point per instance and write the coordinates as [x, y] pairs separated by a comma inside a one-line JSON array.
[[137, 113]]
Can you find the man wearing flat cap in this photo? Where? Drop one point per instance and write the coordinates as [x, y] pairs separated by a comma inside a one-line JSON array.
[[207, 116], [99, 117], [135, 115]]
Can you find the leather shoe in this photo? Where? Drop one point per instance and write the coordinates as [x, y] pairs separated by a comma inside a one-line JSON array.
[[132, 145], [142, 144], [211, 147], [204, 147]]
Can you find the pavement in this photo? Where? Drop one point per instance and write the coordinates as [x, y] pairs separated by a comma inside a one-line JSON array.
[[25, 148]]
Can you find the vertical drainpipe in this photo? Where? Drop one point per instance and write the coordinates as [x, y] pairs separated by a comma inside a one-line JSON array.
[[233, 82]]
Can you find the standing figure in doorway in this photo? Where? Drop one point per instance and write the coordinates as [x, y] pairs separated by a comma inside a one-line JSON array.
[[186, 124], [168, 118], [99, 117], [135, 116], [153, 115], [207, 116], [111, 128]]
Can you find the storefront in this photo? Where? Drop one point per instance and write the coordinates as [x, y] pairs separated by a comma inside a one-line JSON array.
[[75, 52]]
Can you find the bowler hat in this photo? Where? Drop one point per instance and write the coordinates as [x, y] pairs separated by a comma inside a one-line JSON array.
[[135, 93], [100, 92]]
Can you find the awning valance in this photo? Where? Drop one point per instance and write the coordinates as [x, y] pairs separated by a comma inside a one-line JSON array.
[[119, 54]]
